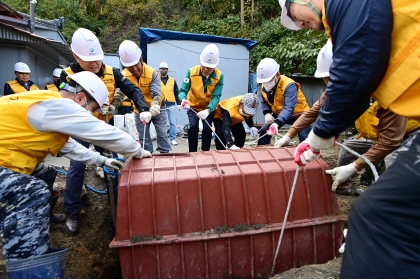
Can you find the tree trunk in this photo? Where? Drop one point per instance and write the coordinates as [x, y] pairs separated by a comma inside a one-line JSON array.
[[242, 12]]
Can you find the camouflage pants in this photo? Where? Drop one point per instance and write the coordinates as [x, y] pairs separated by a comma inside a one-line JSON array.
[[25, 212]]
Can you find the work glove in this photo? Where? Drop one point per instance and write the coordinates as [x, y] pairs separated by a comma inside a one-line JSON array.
[[107, 109], [113, 163], [143, 154], [184, 104], [203, 114], [145, 116], [284, 141], [341, 174], [304, 154], [154, 110], [269, 119], [273, 129], [254, 132], [317, 143], [118, 98], [233, 147]]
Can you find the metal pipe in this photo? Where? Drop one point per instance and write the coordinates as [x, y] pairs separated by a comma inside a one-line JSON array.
[[32, 16]]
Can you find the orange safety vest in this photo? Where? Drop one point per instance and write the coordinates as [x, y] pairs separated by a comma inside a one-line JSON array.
[[168, 90], [22, 147], [52, 87], [232, 106], [109, 81], [17, 87], [278, 104], [197, 99], [399, 90]]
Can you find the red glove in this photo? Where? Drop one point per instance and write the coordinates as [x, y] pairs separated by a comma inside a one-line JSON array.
[[304, 154], [273, 129]]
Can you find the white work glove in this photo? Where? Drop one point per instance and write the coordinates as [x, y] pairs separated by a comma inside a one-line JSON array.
[[341, 174], [203, 114], [233, 147], [154, 110], [254, 132], [317, 143], [269, 119], [145, 116], [304, 154], [107, 109], [343, 247], [113, 163], [284, 141], [143, 154], [273, 129], [184, 104]]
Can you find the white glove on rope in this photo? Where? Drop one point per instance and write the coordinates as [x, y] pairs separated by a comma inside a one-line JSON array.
[[145, 116], [254, 132], [203, 114], [341, 174], [269, 119], [107, 109], [273, 129], [233, 147], [113, 163], [317, 143], [284, 141], [154, 110], [143, 154], [184, 104]]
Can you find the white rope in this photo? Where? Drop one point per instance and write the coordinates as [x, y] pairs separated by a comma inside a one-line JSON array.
[[284, 221]]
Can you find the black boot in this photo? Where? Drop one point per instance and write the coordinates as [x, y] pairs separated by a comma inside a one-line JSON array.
[[72, 223], [55, 218]]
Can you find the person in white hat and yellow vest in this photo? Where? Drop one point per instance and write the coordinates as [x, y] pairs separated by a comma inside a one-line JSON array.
[[56, 80], [38, 123], [88, 54], [170, 99], [201, 91], [22, 81], [148, 80]]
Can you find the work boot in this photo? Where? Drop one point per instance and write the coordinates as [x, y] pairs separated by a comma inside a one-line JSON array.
[[55, 218], [343, 188], [72, 223]]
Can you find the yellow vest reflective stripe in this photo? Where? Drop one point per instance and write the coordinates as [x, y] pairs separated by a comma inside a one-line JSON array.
[[367, 123], [197, 99], [17, 87], [143, 83], [278, 104], [232, 106], [22, 147], [168, 90], [52, 87], [109, 81]]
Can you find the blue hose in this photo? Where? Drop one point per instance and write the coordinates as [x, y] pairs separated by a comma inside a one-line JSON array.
[[89, 187]]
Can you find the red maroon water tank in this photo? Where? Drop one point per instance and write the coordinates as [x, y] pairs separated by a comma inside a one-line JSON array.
[[218, 214]]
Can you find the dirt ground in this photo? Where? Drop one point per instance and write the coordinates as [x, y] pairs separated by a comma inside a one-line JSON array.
[[89, 255]]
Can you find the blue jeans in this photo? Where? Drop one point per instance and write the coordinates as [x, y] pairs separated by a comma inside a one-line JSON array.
[[267, 139], [171, 111], [159, 122]]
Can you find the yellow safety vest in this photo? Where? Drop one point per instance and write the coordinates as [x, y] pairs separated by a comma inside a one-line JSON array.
[[22, 147], [399, 90], [412, 125], [143, 82], [17, 87], [232, 106], [52, 87], [367, 123], [197, 99], [109, 80], [168, 89], [278, 104]]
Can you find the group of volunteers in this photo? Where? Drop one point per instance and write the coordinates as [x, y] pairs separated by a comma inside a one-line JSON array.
[[370, 66]]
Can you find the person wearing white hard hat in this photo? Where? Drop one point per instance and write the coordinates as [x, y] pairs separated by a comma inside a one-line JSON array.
[[56, 80], [201, 91], [22, 81], [36, 124], [283, 100], [228, 118], [148, 80], [88, 54], [376, 54], [170, 99]]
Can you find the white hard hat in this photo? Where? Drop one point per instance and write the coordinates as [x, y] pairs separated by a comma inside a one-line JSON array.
[[129, 52], [93, 85], [209, 57], [324, 60], [163, 64], [22, 67], [86, 45], [266, 70], [285, 19], [57, 72], [250, 103]]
